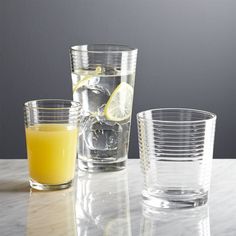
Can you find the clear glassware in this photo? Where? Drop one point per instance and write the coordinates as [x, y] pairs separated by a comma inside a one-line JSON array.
[[176, 149], [51, 128], [103, 79]]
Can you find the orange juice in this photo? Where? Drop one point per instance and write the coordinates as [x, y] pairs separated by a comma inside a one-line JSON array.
[[51, 150]]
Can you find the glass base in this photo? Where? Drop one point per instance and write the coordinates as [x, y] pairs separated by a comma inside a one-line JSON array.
[[101, 167], [174, 201], [48, 187]]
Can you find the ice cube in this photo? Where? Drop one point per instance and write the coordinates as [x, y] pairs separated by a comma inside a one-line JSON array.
[[100, 110], [83, 122], [92, 97], [93, 81], [101, 118], [101, 136]]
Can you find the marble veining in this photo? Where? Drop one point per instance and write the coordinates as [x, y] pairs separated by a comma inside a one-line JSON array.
[[110, 204]]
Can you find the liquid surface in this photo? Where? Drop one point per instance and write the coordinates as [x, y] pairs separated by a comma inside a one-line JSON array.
[[51, 150]]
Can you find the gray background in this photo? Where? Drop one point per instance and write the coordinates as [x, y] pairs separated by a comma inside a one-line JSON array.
[[187, 57]]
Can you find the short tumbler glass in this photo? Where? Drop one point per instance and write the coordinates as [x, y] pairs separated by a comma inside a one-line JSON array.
[[51, 128], [103, 79], [176, 149]]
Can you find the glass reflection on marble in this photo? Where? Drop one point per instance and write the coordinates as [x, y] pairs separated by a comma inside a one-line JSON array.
[[51, 213], [103, 209], [184, 222]]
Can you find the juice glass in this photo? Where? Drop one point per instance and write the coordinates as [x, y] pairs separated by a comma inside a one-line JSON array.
[[51, 128], [103, 79]]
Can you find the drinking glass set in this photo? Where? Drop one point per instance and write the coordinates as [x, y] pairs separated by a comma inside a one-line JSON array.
[[175, 144]]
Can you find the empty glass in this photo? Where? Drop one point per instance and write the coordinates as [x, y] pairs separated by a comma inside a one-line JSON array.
[[176, 148]]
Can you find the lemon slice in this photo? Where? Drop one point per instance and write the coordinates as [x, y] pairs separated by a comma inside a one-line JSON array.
[[119, 105], [87, 78]]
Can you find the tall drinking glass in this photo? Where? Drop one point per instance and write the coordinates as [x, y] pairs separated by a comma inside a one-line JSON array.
[[51, 128], [176, 148], [103, 82]]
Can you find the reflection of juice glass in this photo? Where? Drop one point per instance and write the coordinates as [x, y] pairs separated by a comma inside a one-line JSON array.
[[103, 79], [51, 137], [51, 213]]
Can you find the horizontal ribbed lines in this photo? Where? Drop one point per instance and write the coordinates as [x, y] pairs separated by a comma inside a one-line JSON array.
[[32, 117], [176, 145], [179, 130], [175, 138], [86, 60]]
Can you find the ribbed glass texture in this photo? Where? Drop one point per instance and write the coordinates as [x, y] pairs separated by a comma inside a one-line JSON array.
[[103, 78], [88, 57], [51, 111], [176, 149], [51, 129]]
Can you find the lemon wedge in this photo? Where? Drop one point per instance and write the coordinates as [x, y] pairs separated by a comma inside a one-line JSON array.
[[119, 105], [86, 78]]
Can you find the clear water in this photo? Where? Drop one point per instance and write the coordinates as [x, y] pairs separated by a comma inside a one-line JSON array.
[[101, 140]]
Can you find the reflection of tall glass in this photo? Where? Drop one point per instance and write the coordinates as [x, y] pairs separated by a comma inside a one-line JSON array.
[[103, 81], [103, 210], [51, 213], [194, 222]]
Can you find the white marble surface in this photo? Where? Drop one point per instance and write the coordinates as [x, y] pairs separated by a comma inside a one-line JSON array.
[[110, 204]]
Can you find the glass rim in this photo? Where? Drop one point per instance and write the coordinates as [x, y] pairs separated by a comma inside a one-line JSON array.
[[126, 48], [212, 116], [32, 104]]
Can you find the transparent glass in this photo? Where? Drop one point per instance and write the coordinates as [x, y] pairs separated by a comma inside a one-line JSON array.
[[176, 148], [103, 79], [51, 128]]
